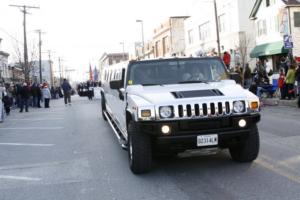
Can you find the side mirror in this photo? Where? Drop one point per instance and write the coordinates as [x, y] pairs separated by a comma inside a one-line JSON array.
[[115, 85], [236, 77], [121, 93]]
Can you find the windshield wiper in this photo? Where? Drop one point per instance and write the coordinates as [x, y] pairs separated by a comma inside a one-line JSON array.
[[195, 81]]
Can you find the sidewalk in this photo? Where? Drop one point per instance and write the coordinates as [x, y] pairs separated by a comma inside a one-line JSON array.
[[278, 102]]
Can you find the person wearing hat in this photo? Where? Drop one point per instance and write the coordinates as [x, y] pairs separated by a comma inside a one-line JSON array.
[[46, 95], [24, 95]]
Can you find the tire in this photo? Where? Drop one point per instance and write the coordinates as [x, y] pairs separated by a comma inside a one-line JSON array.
[[248, 151], [103, 109], [139, 150]]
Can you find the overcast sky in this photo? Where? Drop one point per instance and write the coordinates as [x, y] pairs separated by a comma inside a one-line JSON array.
[[80, 31]]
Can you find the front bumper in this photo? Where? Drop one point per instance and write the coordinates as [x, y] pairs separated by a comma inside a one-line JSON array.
[[184, 132]]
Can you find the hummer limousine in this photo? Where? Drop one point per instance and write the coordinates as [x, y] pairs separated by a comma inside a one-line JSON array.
[[169, 106]]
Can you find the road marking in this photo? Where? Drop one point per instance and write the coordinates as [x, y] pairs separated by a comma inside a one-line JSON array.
[[27, 144], [21, 178], [32, 128], [37, 119], [277, 169]]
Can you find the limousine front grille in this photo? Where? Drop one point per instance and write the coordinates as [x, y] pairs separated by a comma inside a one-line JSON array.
[[202, 110]]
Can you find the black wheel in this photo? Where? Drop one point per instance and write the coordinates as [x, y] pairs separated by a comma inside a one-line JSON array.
[[248, 151], [103, 107], [139, 150]]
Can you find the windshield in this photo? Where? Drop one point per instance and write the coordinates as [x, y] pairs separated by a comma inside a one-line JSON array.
[[176, 71]]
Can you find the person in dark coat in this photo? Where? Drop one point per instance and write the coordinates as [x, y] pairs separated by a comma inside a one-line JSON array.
[[24, 94], [298, 84], [34, 89], [67, 91]]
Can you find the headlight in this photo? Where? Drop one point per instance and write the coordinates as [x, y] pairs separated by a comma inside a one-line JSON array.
[[166, 111], [238, 106]]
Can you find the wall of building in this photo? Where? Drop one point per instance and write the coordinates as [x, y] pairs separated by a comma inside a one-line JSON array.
[[5, 75], [295, 32], [234, 24], [160, 34], [275, 22], [177, 39]]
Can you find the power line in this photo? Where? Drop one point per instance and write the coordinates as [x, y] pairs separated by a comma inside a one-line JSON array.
[[11, 36], [24, 11]]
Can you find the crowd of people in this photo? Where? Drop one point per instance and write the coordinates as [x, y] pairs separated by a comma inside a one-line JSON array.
[[27, 95], [259, 81]]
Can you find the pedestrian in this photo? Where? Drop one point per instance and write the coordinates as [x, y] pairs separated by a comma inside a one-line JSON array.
[[226, 59], [46, 95], [6, 102], [24, 95], [284, 64], [247, 76], [67, 91], [298, 84], [281, 83], [34, 94], [290, 81], [39, 95]]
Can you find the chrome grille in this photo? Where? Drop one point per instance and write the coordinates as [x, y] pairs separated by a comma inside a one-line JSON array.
[[202, 109]]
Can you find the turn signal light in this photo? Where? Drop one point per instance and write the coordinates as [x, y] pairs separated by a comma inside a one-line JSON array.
[[254, 105], [146, 113]]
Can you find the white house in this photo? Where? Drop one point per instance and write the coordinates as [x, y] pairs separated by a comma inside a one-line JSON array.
[[235, 28], [274, 19], [4, 71]]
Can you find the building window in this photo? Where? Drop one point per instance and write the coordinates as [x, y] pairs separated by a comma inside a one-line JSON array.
[[261, 27], [190, 36], [297, 19], [204, 31], [221, 23]]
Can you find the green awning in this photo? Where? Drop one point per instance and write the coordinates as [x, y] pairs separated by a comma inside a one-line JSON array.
[[268, 49]]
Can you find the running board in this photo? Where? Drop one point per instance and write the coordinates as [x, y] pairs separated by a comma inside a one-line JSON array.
[[116, 131]]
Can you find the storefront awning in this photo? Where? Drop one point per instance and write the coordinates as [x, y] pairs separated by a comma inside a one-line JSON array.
[[268, 49]]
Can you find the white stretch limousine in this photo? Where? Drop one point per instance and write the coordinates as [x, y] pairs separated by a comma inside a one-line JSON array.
[[169, 106]]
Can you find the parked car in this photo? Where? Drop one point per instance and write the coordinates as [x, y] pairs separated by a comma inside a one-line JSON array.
[[168, 106]]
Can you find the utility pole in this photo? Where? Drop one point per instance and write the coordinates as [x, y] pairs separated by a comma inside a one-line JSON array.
[[217, 28], [51, 69], [143, 42], [59, 65], [24, 11], [122, 43], [40, 55]]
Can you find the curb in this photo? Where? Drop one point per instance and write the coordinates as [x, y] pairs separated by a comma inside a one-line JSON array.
[[278, 102]]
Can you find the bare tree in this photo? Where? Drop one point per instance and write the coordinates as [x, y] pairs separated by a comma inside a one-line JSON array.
[[18, 58], [243, 50]]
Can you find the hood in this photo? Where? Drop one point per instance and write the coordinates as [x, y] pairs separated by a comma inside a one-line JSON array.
[[168, 94]]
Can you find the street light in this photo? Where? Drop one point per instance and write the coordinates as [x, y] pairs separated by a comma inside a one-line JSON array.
[[122, 43], [143, 42]]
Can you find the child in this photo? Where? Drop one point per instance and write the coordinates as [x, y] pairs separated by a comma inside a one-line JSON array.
[[7, 103], [281, 83], [46, 95]]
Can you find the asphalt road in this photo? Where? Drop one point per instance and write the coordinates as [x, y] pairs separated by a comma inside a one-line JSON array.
[[70, 153]]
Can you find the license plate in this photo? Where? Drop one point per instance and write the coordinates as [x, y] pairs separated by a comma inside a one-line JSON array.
[[207, 140]]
